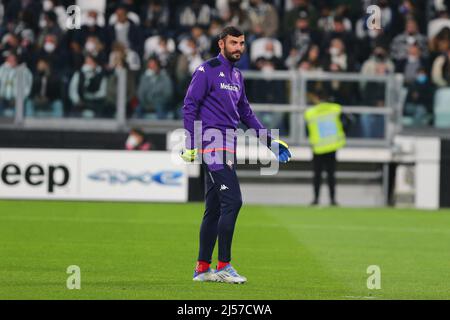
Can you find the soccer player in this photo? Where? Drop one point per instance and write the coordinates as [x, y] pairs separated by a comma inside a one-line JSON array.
[[216, 97]]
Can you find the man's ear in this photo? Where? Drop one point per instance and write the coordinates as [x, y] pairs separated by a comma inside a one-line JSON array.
[[221, 43]]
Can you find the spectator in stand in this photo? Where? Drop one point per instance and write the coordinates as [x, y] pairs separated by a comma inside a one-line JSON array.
[[187, 63], [155, 91], [312, 62], [130, 8], [419, 100], [213, 34], [49, 26], [440, 72], [411, 35], [27, 48], [164, 49], [46, 93], [124, 57], [300, 39], [299, 7], [125, 31], [87, 90], [59, 10], [155, 16], [190, 57], [55, 53], [379, 56], [25, 12], [195, 13], [340, 32], [372, 126], [326, 23], [94, 47], [10, 43], [440, 44], [91, 27], [136, 141], [9, 85], [264, 18], [440, 22], [412, 64], [338, 59], [121, 59], [405, 11], [76, 57], [268, 91], [201, 40], [267, 48], [237, 16]]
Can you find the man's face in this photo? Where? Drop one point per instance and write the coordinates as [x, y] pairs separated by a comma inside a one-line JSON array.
[[121, 15], [12, 60], [411, 27], [232, 47]]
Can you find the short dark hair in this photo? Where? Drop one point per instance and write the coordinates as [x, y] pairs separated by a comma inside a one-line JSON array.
[[154, 58], [230, 31], [339, 19]]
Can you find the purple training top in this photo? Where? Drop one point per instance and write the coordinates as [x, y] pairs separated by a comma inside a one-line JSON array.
[[216, 96]]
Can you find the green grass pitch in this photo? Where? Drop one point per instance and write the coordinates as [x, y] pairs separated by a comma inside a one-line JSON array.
[[148, 251]]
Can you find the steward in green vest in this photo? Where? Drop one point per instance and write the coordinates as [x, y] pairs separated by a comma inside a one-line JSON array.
[[325, 129], [326, 135]]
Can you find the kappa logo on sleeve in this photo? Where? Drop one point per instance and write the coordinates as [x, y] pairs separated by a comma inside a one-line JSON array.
[[221, 74], [201, 68]]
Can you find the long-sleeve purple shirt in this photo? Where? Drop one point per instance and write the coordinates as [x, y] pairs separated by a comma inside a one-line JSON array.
[[216, 96]]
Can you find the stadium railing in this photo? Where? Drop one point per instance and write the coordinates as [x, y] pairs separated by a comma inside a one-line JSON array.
[[286, 105]]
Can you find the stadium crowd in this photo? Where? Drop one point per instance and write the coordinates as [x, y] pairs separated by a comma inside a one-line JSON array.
[[160, 43]]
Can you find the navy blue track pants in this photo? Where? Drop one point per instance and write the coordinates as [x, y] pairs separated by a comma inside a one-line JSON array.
[[223, 200]]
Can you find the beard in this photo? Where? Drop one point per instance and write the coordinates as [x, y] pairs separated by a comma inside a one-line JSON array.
[[232, 56]]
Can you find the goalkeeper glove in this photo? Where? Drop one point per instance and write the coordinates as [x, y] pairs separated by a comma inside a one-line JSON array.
[[189, 155], [281, 150]]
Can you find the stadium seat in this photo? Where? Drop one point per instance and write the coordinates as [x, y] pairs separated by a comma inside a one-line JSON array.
[[442, 108]]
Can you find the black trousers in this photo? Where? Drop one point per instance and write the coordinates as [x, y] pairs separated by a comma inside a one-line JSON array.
[[223, 201], [325, 161]]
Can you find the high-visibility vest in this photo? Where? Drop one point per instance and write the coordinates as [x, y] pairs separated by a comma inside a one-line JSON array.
[[326, 133]]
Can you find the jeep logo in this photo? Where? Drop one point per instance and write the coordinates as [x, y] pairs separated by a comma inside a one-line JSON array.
[[35, 175]]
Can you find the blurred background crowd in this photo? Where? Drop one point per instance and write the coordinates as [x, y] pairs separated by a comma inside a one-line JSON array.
[[160, 43]]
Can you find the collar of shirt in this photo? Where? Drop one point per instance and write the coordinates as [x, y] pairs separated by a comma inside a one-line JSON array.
[[225, 61]]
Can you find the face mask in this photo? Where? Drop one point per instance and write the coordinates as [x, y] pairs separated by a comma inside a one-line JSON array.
[[421, 78], [131, 142], [188, 51], [42, 24], [215, 31], [334, 51], [47, 5], [410, 40], [87, 68], [413, 59], [379, 56], [267, 69], [90, 46], [121, 26], [49, 47], [90, 22], [149, 72]]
